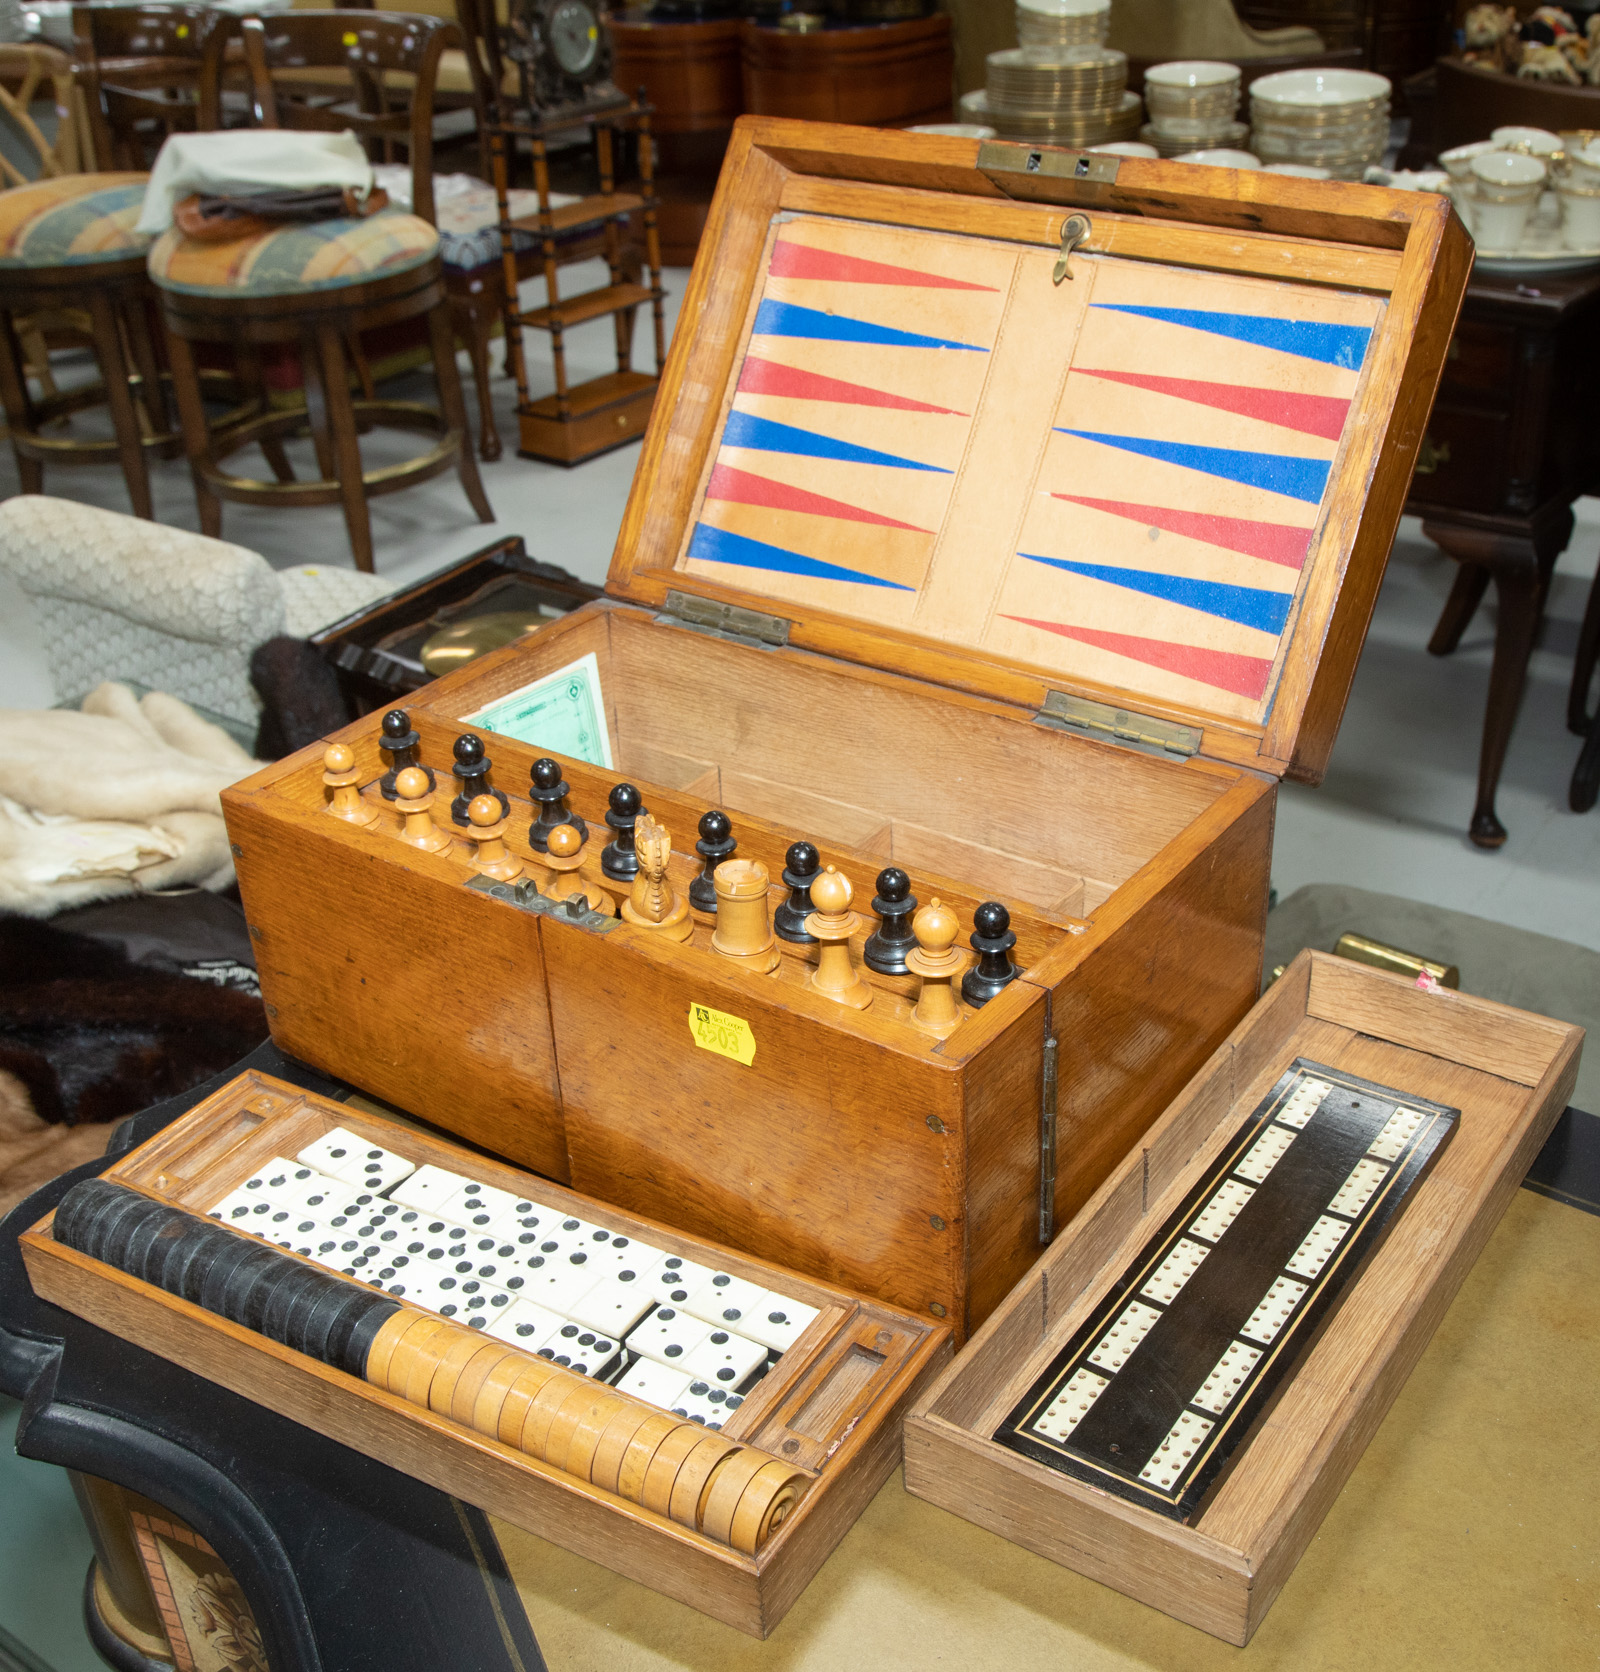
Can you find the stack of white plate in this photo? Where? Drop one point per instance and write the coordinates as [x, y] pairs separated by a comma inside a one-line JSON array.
[[1332, 119], [1056, 25], [1074, 97], [1193, 105]]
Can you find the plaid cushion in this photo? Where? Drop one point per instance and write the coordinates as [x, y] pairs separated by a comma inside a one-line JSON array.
[[74, 219], [315, 255]]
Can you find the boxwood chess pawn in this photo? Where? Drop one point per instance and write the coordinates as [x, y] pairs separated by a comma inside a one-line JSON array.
[[472, 772], [894, 903], [401, 742], [340, 775], [938, 960], [800, 866], [564, 855], [652, 904], [549, 790], [486, 830], [715, 845], [833, 923], [618, 859], [992, 939], [413, 795], [743, 932]]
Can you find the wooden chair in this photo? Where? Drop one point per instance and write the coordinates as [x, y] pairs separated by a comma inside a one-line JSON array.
[[320, 285], [71, 262]]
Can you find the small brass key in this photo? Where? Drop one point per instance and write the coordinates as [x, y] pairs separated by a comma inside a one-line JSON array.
[[1075, 230]]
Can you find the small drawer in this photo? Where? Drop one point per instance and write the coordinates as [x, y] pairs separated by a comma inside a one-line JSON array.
[[1480, 360], [1460, 464]]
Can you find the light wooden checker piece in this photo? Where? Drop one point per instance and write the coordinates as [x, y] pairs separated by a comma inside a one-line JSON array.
[[693, 1479]]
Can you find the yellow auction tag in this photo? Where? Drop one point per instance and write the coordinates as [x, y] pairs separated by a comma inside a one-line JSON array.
[[728, 1036]]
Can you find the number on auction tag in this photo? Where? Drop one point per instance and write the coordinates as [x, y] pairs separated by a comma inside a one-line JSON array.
[[728, 1036]]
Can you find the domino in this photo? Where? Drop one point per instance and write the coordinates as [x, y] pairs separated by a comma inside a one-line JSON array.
[[777, 1322], [553, 1280], [355, 1160], [1356, 1191], [723, 1299], [1400, 1130], [1265, 1153], [1273, 1313], [1174, 1271], [1221, 1387], [1314, 1253], [429, 1188], [242, 1210], [613, 1305], [1171, 1457], [1117, 1344], [525, 1324], [1221, 1211], [724, 1359], [680, 1278], [656, 1384], [667, 1335], [1071, 1405], [705, 1403], [477, 1206], [583, 1350]]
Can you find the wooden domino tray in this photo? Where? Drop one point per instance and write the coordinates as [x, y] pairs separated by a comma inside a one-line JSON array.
[[1030, 578], [1508, 1073], [832, 1404]]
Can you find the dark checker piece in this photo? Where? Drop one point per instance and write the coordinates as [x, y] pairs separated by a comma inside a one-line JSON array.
[[204, 1275], [376, 1315], [229, 1281], [291, 1303], [143, 1236], [191, 1257], [169, 1241], [252, 1288], [323, 1322], [78, 1219], [117, 1229]]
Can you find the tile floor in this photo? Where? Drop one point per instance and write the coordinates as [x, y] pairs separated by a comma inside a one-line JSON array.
[[1390, 816]]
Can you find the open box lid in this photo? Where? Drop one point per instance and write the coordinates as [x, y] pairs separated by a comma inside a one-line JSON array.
[[1153, 495]]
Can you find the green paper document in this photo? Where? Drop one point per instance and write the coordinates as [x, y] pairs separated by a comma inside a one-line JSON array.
[[564, 712]]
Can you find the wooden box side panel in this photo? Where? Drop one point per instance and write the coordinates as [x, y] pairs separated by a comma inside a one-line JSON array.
[[1146, 1005], [367, 963], [828, 1153]]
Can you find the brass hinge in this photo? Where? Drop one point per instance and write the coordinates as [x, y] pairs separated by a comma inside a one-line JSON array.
[[1118, 725], [1004, 157], [1047, 1144], [575, 909], [724, 621]]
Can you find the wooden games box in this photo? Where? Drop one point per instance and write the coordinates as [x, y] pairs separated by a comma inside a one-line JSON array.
[[1027, 571], [1509, 1075], [830, 1406]]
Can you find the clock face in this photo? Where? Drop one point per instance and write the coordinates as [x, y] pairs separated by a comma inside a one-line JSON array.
[[574, 36]]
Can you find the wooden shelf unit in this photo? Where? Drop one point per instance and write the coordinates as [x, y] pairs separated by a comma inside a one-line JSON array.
[[579, 421]]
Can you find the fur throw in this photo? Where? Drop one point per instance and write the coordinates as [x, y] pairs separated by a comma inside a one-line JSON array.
[[119, 798]]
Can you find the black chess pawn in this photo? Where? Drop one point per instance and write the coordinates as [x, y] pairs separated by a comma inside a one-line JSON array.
[[549, 790], [800, 867], [618, 860], [889, 943], [472, 771], [992, 939], [715, 845], [402, 743]]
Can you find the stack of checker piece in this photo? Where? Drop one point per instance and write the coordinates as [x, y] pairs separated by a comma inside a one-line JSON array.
[[664, 1329], [737, 1495]]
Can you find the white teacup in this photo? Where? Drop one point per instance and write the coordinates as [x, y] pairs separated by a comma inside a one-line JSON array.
[[1506, 186], [1584, 165], [1534, 142], [1580, 216], [1125, 148], [1220, 159], [1458, 161]]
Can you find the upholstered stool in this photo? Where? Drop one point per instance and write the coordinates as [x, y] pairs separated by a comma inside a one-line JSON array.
[[318, 286], [68, 244]]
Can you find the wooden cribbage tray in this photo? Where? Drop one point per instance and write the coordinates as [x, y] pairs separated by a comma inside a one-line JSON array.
[[1031, 586], [1509, 1075], [831, 1405]]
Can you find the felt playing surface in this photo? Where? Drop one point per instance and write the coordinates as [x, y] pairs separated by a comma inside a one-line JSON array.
[[1123, 478]]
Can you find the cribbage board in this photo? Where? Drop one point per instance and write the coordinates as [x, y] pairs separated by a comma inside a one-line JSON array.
[[1157, 1391], [1030, 587], [526, 1334], [1436, 1105]]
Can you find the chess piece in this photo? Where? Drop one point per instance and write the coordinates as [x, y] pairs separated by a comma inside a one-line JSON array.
[[938, 960], [563, 855], [618, 859], [472, 771], [889, 943], [715, 845], [413, 795], [402, 742], [799, 872], [486, 830], [743, 932], [549, 790], [340, 775], [652, 904], [833, 923], [992, 939]]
